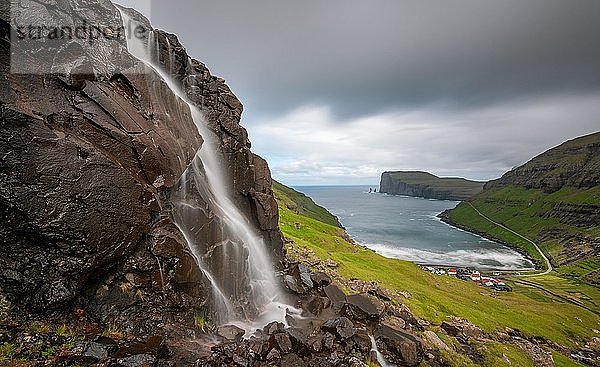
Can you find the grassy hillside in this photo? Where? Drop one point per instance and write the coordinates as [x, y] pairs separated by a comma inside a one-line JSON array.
[[571, 246], [574, 163], [554, 200], [302, 204], [530, 309]]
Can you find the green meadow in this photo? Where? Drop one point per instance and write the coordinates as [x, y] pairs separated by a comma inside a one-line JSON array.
[[530, 308]]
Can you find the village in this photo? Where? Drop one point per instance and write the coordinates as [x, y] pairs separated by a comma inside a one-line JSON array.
[[472, 275]]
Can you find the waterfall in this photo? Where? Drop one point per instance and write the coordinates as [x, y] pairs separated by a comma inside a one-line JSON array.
[[380, 359], [203, 190]]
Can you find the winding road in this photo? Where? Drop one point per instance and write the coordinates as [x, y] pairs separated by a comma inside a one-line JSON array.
[[548, 264]]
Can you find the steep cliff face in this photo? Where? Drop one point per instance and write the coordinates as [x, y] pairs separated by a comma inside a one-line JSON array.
[[573, 168], [426, 185], [88, 162], [575, 163], [552, 199]]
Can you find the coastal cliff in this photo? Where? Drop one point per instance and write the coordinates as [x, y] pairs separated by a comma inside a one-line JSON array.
[[426, 185], [552, 199]]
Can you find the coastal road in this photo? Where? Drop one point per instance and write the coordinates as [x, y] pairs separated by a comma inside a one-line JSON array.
[[548, 264]]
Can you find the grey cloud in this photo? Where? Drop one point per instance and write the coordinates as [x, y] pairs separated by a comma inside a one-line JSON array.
[[338, 90], [476, 143], [362, 57]]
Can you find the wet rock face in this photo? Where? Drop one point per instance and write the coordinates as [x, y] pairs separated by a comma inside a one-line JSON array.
[[85, 161], [80, 177]]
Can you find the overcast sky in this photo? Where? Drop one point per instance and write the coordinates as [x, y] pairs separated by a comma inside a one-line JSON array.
[[337, 91]]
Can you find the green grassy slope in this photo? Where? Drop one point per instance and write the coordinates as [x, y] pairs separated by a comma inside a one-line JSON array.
[[532, 310], [302, 204], [554, 200], [571, 247]]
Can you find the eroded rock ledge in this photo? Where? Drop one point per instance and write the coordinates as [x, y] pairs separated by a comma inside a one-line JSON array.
[[87, 161]]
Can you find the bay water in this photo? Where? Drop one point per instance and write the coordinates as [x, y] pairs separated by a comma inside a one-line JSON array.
[[408, 228]]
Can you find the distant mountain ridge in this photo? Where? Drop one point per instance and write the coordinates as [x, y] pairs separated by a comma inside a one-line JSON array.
[[427, 185], [553, 199], [574, 163]]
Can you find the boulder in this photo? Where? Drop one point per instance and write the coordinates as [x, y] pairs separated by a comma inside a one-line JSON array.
[[335, 295], [341, 327], [302, 275], [283, 342], [315, 305], [292, 284], [320, 279], [273, 327], [394, 322], [360, 307], [434, 340], [363, 342], [231, 332], [398, 346]]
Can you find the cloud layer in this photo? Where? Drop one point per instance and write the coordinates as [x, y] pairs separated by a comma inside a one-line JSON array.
[[310, 146], [337, 90]]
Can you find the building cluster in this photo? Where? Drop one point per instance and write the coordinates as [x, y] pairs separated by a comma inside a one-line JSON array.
[[471, 275]]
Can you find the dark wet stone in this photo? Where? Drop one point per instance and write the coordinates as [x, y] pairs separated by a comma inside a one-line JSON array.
[[341, 326], [320, 279], [398, 346], [273, 327], [154, 346], [292, 284], [315, 305], [363, 342], [231, 332], [86, 137], [360, 307], [95, 351], [335, 295], [298, 280]]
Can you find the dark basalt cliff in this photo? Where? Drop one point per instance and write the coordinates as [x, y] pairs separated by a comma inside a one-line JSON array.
[[88, 160], [575, 163], [426, 185]]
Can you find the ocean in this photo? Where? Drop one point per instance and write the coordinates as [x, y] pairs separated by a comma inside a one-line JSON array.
[[408, 228]]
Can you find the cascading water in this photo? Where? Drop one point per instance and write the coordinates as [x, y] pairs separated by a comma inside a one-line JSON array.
[[380, 359], [203, 191]]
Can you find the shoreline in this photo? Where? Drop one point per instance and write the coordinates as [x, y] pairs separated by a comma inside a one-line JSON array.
[[444, 219], [443, 216]]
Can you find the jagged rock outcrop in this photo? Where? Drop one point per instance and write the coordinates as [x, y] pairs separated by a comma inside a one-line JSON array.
[[575, 163], [338, 335], [426, 185], [90, 152]]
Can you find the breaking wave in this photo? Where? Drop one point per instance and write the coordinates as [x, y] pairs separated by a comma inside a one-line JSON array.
[[499, 258]]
